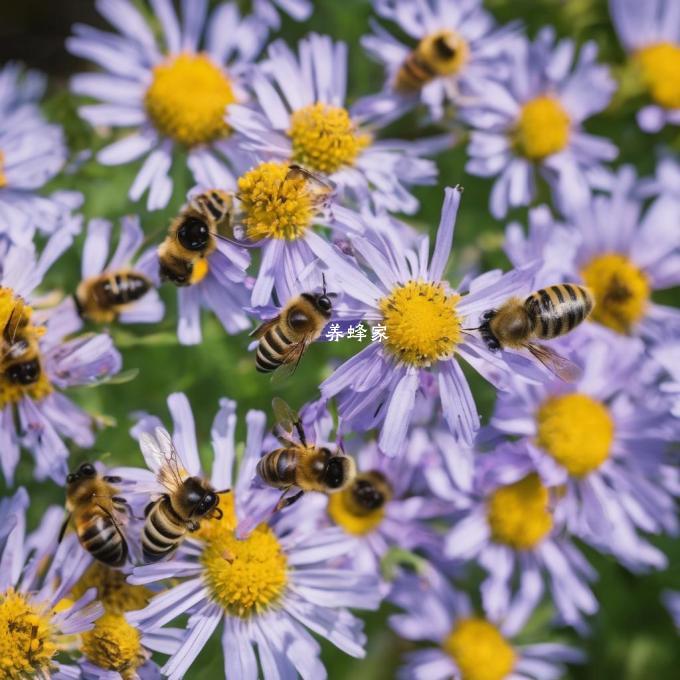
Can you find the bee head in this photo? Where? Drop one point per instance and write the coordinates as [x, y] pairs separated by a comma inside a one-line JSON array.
[[193, 234], [24, 373], [339, 472], [367, 494], [84, 471], [443, 48], [324, 304], [199, 499]]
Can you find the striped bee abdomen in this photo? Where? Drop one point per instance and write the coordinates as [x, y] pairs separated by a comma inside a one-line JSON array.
[[121, 289], [104, 541], [271, 349], [163, 530], [278, 467], [558, 309], [414, 73]]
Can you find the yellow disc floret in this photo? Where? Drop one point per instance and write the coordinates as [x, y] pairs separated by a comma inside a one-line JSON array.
[[244, 577], [340, 508], [24, 347], [113, 644], [276, 203], [113, 591], [325, 138], [187, 99], [421, 322], [26, 644], [479, 650], [621, 291], [660, 67], [576, 430], [519, 513], [3, 176], [542, 129]]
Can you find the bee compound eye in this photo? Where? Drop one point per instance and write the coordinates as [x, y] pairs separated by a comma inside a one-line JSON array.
[[324, 303], [87, 470], [193, 234], [70, 478]]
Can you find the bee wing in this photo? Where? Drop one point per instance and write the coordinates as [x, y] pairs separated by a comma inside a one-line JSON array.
[[162, 457], [297, 171], [284, 416], [264, 327], [14, 321], [291, 360], [562, 367]]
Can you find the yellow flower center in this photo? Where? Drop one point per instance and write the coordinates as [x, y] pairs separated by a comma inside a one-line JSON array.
[[660, 66], [576, 430], [276, 202], [20, 375], [479, 650], [245, 577], [542, 129], [519, 513], [113, 644], [421, 322], [360, 508], [325, 138], [199, 271], [621, 291], [187, 99], [26, 644], [3, 177], [113, 591]]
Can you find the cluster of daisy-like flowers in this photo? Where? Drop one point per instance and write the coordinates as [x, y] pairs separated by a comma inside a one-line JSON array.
[[317, 197]]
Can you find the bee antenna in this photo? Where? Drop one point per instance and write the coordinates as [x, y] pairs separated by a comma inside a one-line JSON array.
[[323, 280]]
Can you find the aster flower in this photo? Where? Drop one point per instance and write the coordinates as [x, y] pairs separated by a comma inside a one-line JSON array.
[[32, 152], [304, 119], [667, 355], [533, 123], [36, 620], [650, 34], [113, 648], [464, 644], [275, 583], [123, 263], [621, 250], [279, 212], [426, 324], [512, 528], [604, 445], [172, 93], [666, 180], [470, 50], [43, 363]]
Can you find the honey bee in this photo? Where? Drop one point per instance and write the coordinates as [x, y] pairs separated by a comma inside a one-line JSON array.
[[545, 314], [284, 339], [94, 508], [20, 361], [438, 54], [102, 298], [368, 492], [188, 499], [301, 463], [192, 235]]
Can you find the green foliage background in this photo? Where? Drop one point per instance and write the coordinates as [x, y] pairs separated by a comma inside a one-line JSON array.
[[632, 636]]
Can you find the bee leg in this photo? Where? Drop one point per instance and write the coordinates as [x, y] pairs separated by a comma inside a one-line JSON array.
[[217, 513], [62, 531], [286, 502]]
